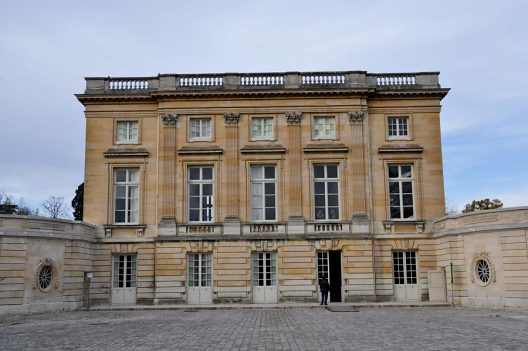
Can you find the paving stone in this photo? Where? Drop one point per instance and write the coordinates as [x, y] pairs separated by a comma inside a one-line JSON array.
[[392, 328]]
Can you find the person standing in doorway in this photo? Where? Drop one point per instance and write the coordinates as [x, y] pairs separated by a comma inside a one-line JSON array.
[[324, 287]]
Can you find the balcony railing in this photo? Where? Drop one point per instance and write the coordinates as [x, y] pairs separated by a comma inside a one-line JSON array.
[[255, 81]]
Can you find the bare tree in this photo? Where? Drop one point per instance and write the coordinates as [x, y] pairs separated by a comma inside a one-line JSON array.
[[55, 207]]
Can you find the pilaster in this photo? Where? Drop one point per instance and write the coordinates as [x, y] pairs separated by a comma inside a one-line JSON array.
[[232, 218], [167, 183], [295, 220]]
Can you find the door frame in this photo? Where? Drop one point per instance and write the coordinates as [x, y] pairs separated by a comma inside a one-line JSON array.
[[275, 286], [210, 287], [405, 284], [113, 292], [342, 284]]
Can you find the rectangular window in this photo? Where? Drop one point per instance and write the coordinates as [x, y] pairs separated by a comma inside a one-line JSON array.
[[324, 128], [199, 269], [326, 192], [200, 129], [263, 193], [404, 266], [398, 127], [124, 271], [264, 269], [401, 194], [126, 195], [200, 194], [262, 128], [127, 132]]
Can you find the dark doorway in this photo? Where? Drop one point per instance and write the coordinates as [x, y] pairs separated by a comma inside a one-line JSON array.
[[335, 276]]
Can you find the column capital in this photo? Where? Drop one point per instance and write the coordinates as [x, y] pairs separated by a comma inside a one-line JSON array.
[[357, 116], [169, 120], [231, 119], [293, 117]]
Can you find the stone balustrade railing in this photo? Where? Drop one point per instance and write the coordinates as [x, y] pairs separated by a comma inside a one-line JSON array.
[[255, 81]]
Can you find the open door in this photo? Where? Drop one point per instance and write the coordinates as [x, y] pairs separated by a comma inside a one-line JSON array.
[[329, 266]]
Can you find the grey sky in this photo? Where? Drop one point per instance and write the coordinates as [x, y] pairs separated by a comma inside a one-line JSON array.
[[480, 48]]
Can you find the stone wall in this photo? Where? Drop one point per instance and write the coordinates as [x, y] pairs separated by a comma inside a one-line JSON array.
[[29, 243]]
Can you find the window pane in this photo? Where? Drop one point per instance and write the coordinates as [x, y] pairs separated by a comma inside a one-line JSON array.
[[207, 190], [395, 200], [320, 213], [332, 187], [395, 212], [120, 216], [269, 188], [406, 172], [394, 187], [270, 214], [331, 171], [194, 215], [133, 175], [319, 200], [269, 172], [393, 171], [120, 175], [194, 173], [333, 213], [256, 214], [194, 189], [318, 171], [333, 200], [256, 189], [194, 202], [319, 188], [207, 173], [120, 204], [120, 191], [407, 187], [408, 212], [407, 200], [270, 201], [133, 131], [256, 172]]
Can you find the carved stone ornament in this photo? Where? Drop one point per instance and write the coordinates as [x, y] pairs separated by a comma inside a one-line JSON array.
[[169, 120], [482, 269], [231, 118], [357, 116], [293, 117], [46, 277]]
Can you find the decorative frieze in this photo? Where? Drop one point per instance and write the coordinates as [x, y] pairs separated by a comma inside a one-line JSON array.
[[169, 120], [357, 116], [231, 119], [293, 117]]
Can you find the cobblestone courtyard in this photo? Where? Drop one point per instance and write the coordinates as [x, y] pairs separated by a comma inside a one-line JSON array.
[[270, 329]]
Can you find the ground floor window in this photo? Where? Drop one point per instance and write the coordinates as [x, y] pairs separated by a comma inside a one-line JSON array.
[[124, 271]]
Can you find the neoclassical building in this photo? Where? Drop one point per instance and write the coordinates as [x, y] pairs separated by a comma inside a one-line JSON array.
[[236, 187]]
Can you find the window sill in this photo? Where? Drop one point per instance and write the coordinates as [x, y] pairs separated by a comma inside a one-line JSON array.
[[126, 153], [326, 148], [200, 150], [263, 149]]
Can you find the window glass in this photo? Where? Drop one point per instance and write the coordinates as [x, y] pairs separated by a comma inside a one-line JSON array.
[[263, 193], [200, 197], [326, 192], [200, 129], [398, 127], [401, 196], [324, 127], [126, 195], [127, 132], [262, 128]]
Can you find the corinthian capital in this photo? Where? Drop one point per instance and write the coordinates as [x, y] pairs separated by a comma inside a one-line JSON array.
[[293, 117], [231, 118], [357, 116], [169, 120]]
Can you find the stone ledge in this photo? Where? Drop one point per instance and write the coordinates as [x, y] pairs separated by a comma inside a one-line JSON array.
[[126, 153], [263, 149], [400, 148], [326, 148], [200, 150]]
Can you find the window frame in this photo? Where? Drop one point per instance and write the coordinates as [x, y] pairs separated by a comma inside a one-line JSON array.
[[128, 141], [326, 180], [127, 184], [201, 182], [262, 138], [325, 137], [262, 182], [200, 138], [400, 180], [398, 117]]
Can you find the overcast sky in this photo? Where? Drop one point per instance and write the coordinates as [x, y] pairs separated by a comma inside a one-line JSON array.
[[480, 48]]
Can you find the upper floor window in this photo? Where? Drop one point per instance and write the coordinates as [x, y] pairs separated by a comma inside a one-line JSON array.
[[201, 129], [326, 191], [263, 193], [200, 194], [401, 195], [126, 195], [262, 128], [398, 127], [324, 128], [127, 132]]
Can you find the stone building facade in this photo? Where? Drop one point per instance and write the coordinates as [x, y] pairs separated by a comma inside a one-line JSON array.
[[217, 188]]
